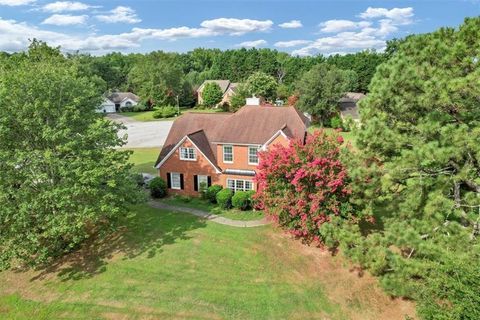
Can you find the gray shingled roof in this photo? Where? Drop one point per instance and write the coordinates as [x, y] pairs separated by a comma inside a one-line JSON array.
[[223, 84], [118, 97], [348, 105]]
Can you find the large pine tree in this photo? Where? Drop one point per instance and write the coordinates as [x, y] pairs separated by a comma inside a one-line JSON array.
[[420, 176]]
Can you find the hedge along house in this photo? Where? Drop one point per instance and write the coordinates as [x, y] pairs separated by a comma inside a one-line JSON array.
[[222, 149]]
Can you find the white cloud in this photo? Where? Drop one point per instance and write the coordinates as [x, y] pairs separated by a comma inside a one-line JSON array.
[[291, 24], [291, 43], [236, 27], [397, 15], [252, 44], [65, 6], [14, 3], [65, 20], [15, 35], [350, 36], [120, 14], [342, 25]]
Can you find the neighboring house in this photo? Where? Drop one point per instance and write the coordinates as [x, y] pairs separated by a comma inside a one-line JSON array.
[[349, 107], [222, 148], [228, 90], [117, 100]]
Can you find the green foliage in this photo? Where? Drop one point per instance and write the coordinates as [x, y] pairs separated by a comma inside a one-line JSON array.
[[139, 108], [158, 188], [262, 85], [211, 193], [158, 78], [63, 178], [224, 198], [418, 172], [212, 94], [238, 100], [336, 122], [165, 112], [320, 89], [243, 200]]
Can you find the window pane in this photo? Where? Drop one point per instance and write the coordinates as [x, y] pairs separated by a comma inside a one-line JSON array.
[[248, 185], [252, 154], [228, 153], [231, 184], [175, 177], [239, 185]]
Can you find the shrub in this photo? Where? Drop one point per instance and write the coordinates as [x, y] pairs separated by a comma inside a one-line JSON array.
[[211, 193], [138, 177], [139, 108], [243, 200], [126, 109], [158, 187], [224, 198], [164, 112], [336, 122]]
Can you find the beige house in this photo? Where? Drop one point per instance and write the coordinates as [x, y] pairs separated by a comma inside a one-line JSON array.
[[228, 89]]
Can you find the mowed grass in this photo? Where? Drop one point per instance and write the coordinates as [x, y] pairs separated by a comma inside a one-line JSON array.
[[148, 115], [170, 265], [144, 159]]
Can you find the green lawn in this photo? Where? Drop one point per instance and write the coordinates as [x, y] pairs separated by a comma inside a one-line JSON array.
[[148, 115], [144, 159], [197, 203], [165, 265], [348, 136]]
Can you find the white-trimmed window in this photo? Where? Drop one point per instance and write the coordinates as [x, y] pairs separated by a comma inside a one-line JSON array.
[[253, 155], [200, 180], [188, 154], [228, 153], [175, 181], [239, 185]]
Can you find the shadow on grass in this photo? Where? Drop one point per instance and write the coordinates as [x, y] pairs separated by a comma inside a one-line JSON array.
[[144, 232]]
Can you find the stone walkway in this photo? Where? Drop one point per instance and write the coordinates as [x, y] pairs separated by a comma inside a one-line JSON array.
[[210, 216]]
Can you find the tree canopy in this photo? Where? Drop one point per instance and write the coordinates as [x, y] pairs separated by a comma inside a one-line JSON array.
[[212, 94], [321, 88], [262, 85], [62, 178], [419, 172]]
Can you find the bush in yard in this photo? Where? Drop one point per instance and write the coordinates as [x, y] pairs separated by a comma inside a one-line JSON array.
[[303, 186], [243, 200], [139, 107], [165, 112], [336, 122], [158, 187], [211, 193], [224, 198]]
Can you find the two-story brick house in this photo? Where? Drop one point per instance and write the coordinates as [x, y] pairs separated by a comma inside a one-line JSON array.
[[222, 148]]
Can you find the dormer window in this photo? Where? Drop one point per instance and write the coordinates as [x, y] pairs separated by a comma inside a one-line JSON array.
[[188, 154]]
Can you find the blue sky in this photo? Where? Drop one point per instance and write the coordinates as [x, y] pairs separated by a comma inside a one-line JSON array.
[[299, 27]]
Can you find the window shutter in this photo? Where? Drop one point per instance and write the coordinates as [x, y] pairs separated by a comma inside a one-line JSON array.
[[195, 182], [209, 183], [169, 182], [181, 181]]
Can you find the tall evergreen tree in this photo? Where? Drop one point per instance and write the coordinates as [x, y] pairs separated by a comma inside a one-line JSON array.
[[420, 176]]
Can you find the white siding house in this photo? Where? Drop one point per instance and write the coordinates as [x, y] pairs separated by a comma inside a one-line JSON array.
[[118, 100]]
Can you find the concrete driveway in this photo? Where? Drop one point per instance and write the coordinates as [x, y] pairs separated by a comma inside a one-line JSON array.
[[143, 134]]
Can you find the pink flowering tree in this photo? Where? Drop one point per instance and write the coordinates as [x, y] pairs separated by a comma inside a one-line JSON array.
[[304, 186]]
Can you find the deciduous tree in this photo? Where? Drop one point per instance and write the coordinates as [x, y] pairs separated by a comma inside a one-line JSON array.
[[212, 94], [61, 178]]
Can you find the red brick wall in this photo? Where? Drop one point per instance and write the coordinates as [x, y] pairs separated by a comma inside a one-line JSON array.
[[202, 167], [188, 168]]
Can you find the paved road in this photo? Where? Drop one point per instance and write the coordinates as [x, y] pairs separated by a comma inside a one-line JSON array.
[[210, 216], [143, 134]]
